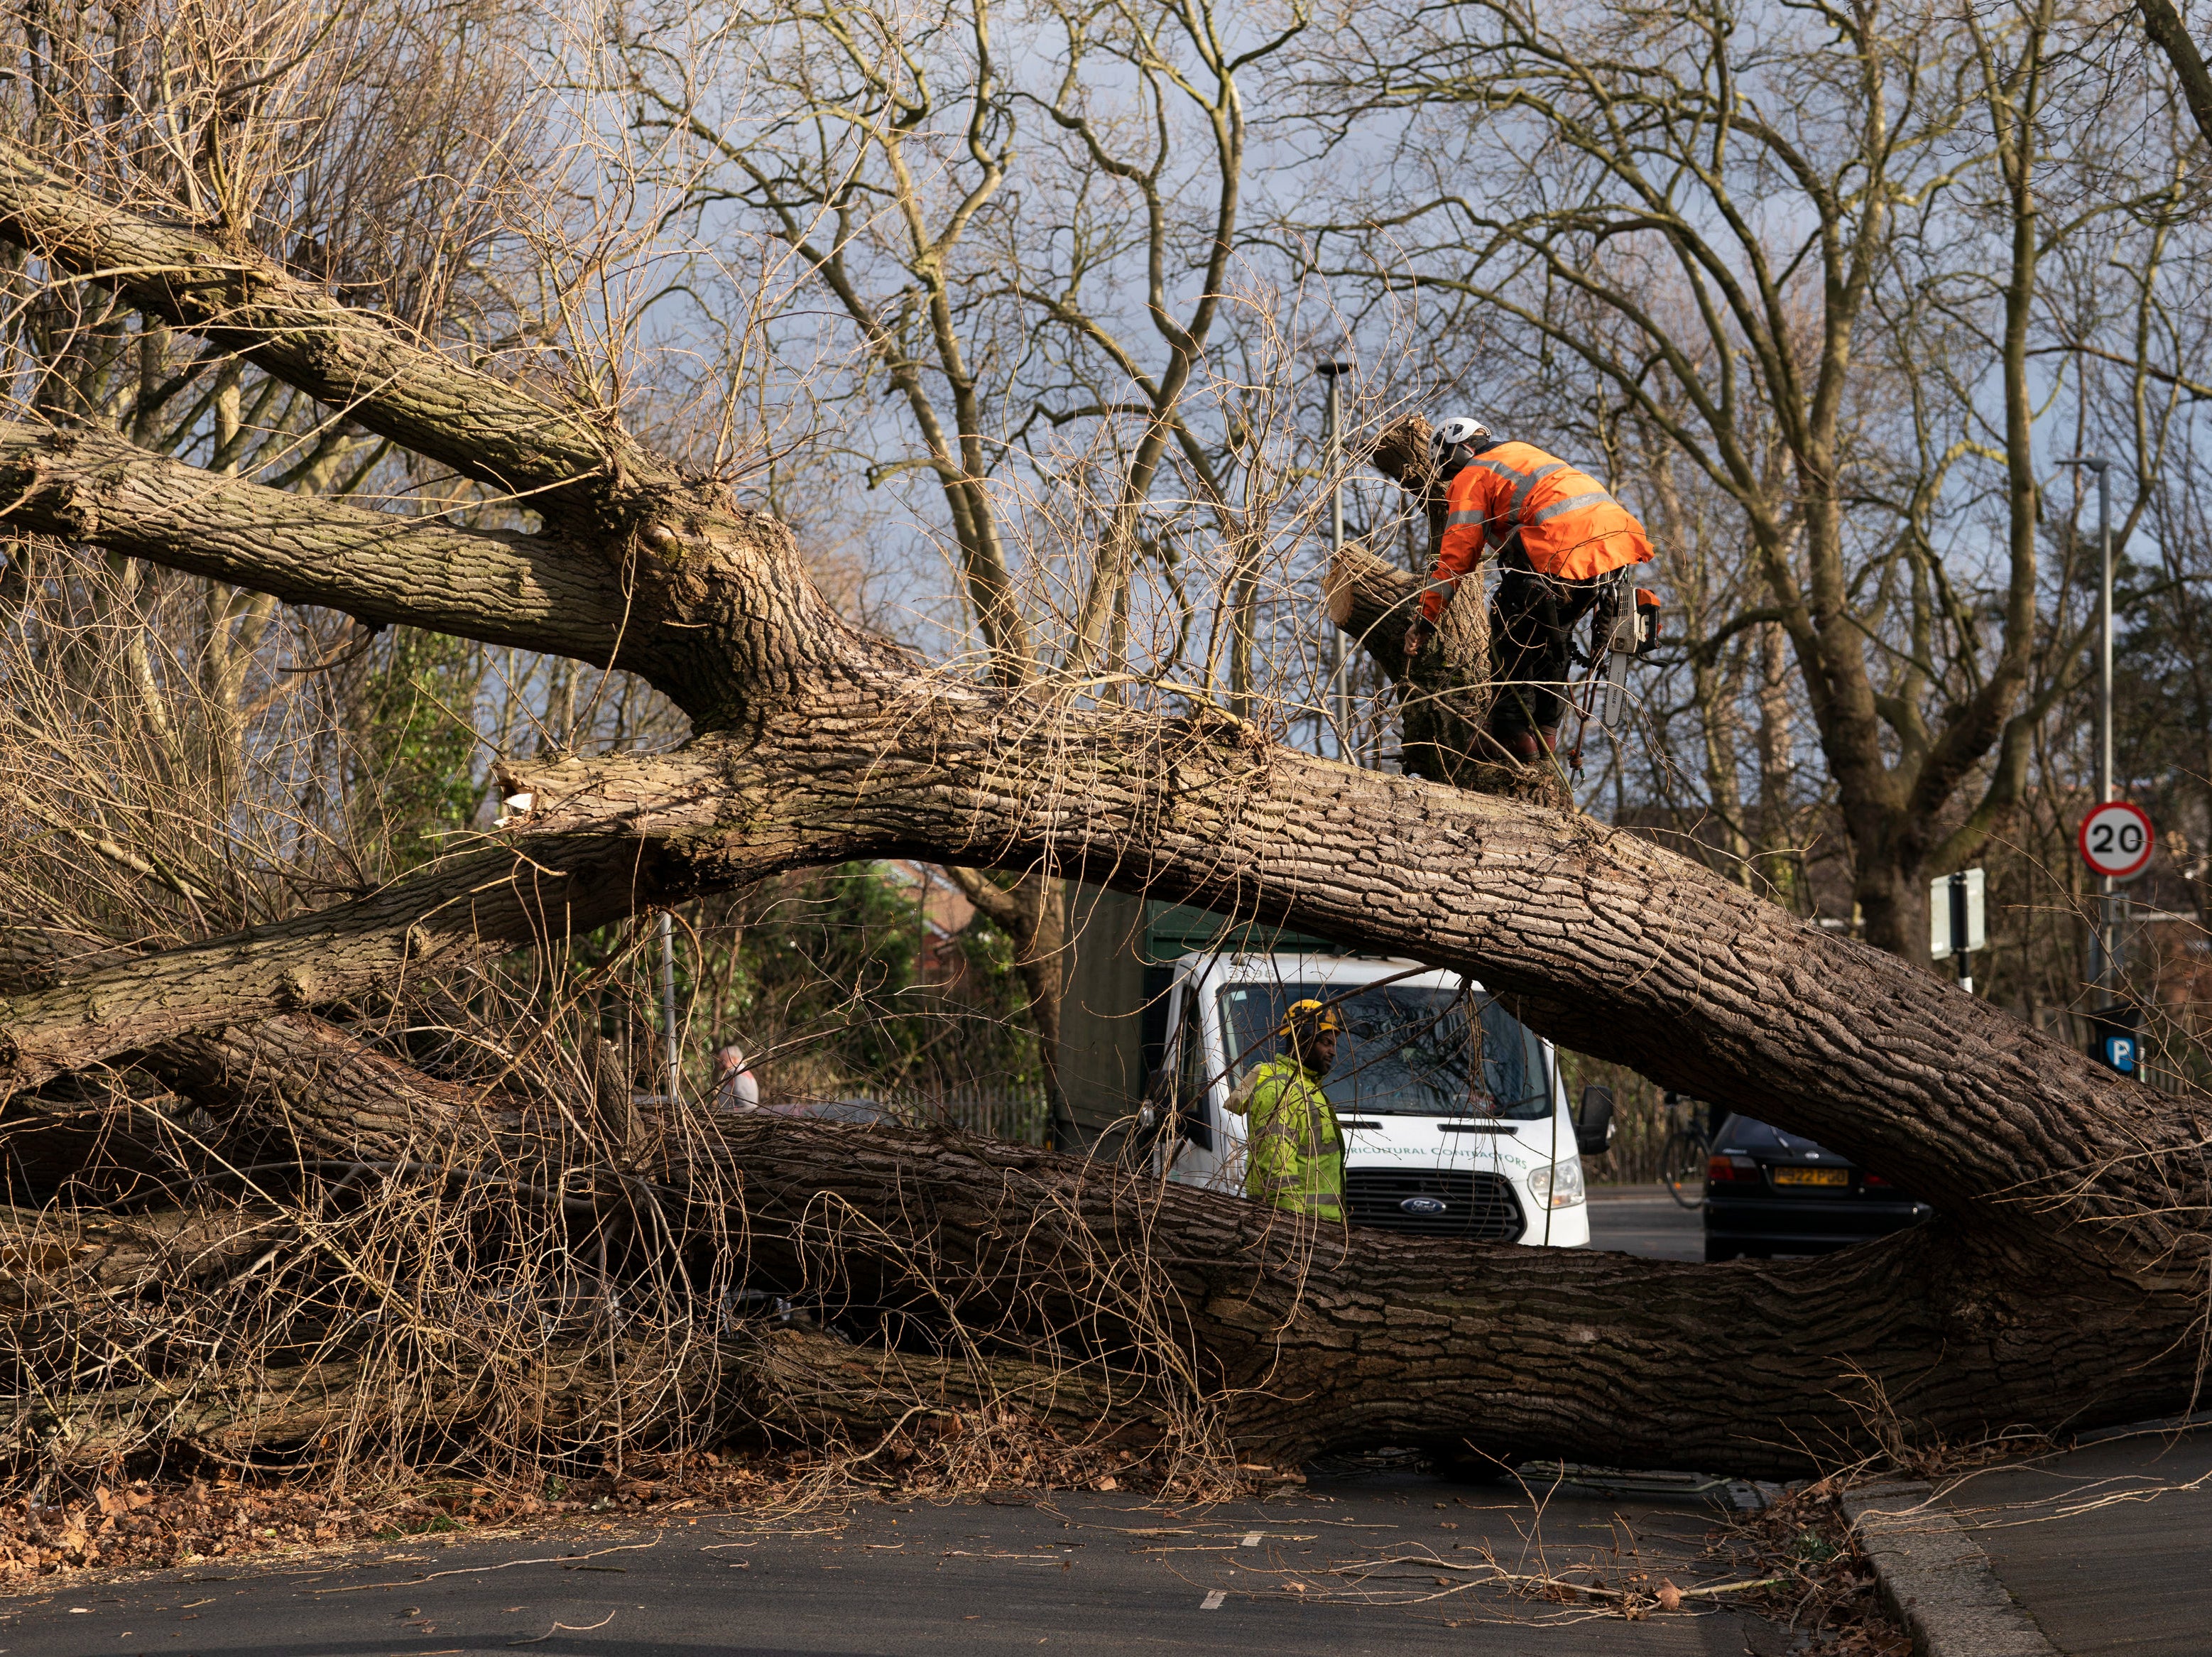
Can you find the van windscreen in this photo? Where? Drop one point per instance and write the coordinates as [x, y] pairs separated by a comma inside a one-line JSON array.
[[1404, 1052]]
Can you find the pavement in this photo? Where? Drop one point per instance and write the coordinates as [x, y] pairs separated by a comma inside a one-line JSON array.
[[2108, 1547], [1379, 1562]]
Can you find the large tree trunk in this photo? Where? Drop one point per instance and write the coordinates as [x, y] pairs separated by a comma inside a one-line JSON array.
[[1315, 1337], [2061, 1287], [1310, 1337]]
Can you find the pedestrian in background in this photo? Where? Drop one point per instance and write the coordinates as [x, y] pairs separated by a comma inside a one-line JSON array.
[[736, 1090]]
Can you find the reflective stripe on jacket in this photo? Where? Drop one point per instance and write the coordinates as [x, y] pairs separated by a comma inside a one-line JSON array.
[[1294, 1155], [1569, 527]]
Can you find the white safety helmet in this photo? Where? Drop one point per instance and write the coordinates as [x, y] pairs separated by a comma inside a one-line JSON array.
[[1455, 433]]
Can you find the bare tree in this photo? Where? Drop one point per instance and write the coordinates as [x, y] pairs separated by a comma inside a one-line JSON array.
[[977, 238], [1828, 370]]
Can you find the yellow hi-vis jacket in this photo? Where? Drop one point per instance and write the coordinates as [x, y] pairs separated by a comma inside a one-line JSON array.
[[1294, 1152], [1569, 527]]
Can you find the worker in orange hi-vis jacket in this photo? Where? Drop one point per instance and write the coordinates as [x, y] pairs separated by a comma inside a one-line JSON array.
[[1558, 533]]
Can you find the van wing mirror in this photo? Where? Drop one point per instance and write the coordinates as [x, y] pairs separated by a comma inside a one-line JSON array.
[[1594, 1122]]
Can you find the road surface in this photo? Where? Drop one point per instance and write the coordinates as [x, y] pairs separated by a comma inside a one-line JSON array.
[[1644, 1220], [1379, 1563]]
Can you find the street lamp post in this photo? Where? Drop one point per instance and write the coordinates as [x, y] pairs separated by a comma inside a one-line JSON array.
[[1339, 676], [672, 1044], [2102, 958]]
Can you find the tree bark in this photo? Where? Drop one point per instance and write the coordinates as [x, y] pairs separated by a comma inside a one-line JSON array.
[[1609, 944], [1308, 1337], [1313, 1337], [1602, 940], [88, 485], [472, 908], [49, 1256], [321, 1091], [1444, 695], [486, 904]]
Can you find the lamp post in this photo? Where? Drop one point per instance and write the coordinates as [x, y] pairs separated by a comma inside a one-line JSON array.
[[1339, 676], [672, 1083], [2101, 959]]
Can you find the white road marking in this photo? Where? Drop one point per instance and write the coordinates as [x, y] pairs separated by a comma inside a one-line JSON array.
[[1251, 1539], [1213, 1599]]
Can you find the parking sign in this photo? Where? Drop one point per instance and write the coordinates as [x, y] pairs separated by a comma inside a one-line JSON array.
[[2116, 840]]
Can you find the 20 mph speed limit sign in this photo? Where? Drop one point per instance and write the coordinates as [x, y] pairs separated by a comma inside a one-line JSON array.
[[2116, 840]]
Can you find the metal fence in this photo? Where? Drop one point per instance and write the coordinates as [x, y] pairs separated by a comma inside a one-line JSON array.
[[1021, 1114]]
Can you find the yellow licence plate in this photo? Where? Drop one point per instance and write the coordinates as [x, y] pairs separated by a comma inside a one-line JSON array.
[[1812, 1176]]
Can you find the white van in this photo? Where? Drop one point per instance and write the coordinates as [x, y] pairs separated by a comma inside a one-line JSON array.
[[1454, 1118]]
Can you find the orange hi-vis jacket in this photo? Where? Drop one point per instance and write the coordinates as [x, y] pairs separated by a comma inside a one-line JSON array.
[[1569, 527]]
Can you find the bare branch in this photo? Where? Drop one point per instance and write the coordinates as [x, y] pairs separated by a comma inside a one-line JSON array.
[[503, 589], [482, 427], [2162, 23]]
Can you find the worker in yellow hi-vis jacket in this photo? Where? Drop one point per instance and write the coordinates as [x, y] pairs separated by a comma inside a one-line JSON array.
[[1294, 1150]]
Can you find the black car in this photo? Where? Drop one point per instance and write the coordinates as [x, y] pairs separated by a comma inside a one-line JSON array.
[[1768, 1192]]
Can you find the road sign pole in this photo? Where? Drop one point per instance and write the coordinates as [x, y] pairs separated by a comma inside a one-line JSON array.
[[674, 1081], [2116, 840], [2104, 939], [1958, 895], [2107, 979]]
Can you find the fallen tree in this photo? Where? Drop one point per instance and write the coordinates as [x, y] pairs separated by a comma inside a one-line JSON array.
[[2066, 1284]]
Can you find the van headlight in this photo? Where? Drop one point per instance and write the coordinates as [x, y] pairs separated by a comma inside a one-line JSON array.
[[1560, 1185]]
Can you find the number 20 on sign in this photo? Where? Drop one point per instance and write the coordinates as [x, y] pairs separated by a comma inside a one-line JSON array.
[[2116, 840]]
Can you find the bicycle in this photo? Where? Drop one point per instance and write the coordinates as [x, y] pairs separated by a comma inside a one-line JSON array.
[[1684, 1156]]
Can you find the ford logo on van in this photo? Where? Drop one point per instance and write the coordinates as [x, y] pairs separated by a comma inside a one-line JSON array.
[[1423, 1205]]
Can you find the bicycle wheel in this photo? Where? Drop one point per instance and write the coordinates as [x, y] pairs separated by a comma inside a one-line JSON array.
[[1682, 1166]]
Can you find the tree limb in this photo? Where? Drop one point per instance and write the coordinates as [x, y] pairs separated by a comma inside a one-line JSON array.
[[1306, 1337], [998, 904], [349, 359], [328, 1093], [1606, 943], [2162, 23], [509, 589], [475, 907]]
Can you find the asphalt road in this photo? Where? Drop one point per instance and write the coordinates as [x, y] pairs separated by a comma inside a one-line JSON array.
[[1385, 1563], [1644, 1220]]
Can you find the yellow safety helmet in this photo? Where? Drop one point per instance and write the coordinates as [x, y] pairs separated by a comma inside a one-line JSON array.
[[1310, 1014]]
